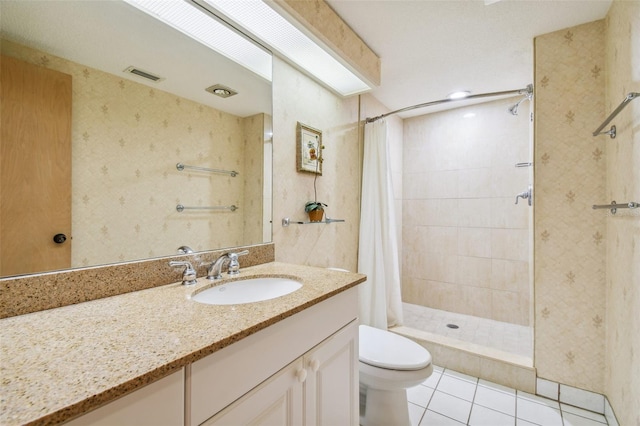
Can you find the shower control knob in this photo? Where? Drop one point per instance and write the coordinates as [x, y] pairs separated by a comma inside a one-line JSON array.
[[59, 238]]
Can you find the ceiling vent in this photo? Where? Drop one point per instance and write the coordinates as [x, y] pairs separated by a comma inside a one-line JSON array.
[[143, 74], [220, 90]]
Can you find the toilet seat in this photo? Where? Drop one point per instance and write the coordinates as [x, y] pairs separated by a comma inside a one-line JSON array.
[[383, 349]]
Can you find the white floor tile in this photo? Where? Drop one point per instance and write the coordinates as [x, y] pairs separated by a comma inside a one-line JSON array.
[[450, 406], [419, 395], [481, 416], [547, 388], [496, 400], [461, 388], [574, 420], [538, 413], [461, 376], [433, 379], [582, 398], [415, 414], [431, 418], [583, 413], [520, 422], [496, 387], [538, 399]]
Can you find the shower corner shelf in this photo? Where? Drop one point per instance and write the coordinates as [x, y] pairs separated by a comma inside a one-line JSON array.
[[287, 221]]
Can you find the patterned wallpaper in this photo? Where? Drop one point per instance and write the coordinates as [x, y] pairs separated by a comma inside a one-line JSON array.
[[297, 98], [622, 69], [570, 237], [126, 141]]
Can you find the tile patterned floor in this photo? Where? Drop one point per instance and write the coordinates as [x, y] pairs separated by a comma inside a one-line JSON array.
[[451, 398], [512, 338]]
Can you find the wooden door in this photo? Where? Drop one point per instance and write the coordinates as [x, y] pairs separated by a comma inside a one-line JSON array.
[[35, 168]]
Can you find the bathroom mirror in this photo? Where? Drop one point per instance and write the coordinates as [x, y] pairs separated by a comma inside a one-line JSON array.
[[128, 133]]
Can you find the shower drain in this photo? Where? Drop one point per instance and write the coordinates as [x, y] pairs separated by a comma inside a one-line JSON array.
[[452, 326]]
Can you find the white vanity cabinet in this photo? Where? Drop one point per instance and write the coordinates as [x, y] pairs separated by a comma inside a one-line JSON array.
[[301, 370], [158, 404], [319, 388]]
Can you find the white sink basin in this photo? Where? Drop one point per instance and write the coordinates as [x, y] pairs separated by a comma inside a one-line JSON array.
[[247, 291]]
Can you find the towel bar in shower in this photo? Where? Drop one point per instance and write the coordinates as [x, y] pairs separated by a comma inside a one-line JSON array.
[[612, 131], [180, 208], [615, 206], [181, 167]]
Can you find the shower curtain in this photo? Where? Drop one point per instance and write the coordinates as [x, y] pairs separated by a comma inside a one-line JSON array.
[[380, 299]]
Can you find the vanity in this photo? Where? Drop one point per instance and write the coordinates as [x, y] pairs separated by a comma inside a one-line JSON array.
[[157, 357]]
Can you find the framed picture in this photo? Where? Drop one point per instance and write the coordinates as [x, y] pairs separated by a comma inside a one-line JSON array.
[[309, 149]]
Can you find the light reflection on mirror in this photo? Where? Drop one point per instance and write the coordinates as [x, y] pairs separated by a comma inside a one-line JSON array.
[[128, 134]]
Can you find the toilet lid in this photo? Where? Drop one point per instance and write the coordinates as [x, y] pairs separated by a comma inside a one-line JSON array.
[[384, 349]]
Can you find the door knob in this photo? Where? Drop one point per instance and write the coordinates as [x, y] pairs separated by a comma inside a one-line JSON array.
[[59, 238]]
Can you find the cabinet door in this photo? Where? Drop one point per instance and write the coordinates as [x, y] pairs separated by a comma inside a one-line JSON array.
[[159, 404], [331, 388], [276, 402]]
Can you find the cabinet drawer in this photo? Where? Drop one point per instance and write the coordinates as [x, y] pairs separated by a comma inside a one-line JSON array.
[[224, 376]]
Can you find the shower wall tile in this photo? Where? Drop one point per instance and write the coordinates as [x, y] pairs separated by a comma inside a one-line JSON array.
[[460, 181], [570, 253], [474, 242]]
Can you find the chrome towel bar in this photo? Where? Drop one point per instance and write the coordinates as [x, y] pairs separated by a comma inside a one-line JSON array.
[[612, 131], [615, 206], [180, 208], [181, 167]]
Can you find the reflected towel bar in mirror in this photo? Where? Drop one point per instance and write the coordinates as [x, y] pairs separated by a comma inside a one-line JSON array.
[[615, 206], [180, 208], [181, 167], [612, 132]]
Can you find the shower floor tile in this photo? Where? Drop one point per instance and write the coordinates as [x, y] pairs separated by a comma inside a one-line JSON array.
[[512, 338]]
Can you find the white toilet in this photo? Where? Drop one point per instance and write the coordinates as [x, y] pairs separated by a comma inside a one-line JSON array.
[[389, 364]]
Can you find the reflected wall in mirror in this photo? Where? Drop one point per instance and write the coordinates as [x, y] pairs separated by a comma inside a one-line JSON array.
[[128, 134]]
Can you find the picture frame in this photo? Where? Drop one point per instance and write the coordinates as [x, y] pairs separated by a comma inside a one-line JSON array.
[[309, 149]]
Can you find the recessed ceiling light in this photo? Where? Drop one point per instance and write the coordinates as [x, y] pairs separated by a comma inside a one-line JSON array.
[[469, 115], [220, 90], [459, 95]]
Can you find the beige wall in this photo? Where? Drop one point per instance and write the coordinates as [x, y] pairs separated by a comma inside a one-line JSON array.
[[297, 98], [126, 141], [466, 243], [570, 237], [622, 71]]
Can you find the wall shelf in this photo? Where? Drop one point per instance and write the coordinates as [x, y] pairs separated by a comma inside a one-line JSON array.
[[287, 221]]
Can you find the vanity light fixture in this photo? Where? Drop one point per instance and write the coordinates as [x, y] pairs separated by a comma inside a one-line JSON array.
[[459, 95], [192, 20], [261, 21]]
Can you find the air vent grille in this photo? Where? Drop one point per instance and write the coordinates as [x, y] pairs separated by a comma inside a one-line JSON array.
[[144, 74]]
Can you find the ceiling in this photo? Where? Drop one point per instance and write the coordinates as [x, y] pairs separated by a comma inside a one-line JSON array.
[[430, 48], [112, 35]]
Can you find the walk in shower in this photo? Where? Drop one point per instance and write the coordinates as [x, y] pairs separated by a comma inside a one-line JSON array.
[[467, 215]]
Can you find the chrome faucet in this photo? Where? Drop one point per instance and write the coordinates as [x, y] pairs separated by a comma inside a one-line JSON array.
[[189, 274], [215, 269]]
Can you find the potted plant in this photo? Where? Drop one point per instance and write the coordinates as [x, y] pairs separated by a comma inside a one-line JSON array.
[[315, 210]]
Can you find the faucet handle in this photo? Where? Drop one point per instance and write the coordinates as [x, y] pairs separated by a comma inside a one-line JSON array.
[[234, 265], [189, 274]]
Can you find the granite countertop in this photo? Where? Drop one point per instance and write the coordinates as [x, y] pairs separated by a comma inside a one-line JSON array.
[[59, 363]]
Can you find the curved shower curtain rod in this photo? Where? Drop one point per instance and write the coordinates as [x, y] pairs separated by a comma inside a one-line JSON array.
[[528, 91]]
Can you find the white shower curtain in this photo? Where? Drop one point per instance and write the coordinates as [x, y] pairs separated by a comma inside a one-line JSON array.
[[380, 299]]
